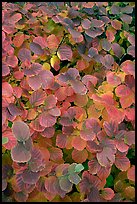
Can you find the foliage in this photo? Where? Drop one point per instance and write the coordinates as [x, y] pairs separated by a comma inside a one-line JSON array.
[[68, 101]]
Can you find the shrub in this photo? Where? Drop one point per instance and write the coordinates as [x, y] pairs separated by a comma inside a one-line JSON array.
[[68, 105]]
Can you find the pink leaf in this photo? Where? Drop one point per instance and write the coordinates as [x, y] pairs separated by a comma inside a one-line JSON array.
[[21, 130], [36, 48], [65, 53], [37, 98], [24, 54], [47, 120]]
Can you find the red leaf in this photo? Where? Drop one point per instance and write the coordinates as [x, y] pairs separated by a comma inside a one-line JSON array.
[[47, 79], [34, 82], [55, 154], [18, 39], [106, 45], [113, 79], [30, 177], [52, 41], [21, 130], [94, 166], [65, 53], [129, 137], [92, 52], [50, 101], [24, 54], [122, 162], [111, 128], [121, 146], [36, 48], [61, 140], [79, 156], [20, 154], [50, 184], [106, 157], [41, 41], [117, 49], [128, 67], [5, 69], [48, 132], [37, 98], [35, 125], [78, 143], [107, 193], [87, 135], [116, 24], [7, 90], [47, 120], [11, 139]]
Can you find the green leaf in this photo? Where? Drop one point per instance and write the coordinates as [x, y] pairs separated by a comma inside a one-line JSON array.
[[10, 124], [79, 168], [5, 140], [74, 178], [109, 181]]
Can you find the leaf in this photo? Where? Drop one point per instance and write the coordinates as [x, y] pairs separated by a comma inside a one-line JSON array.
[[93, 166], [41, 41], [61, 140], [18, 39], [47, 120], [34, 82], [11, 139], [33, 70], [50, 184], [12, 61], [14, 110], [106, 45], [55, 154], [20, 154], [79, 168], [128, 67], [30, 177], [78, 143], [47, 79], [107, 61], [52, 41], [50, 101], [122, 162], [87, 135], [74, 178], [21, 130], [7, 90], [65, 184], [65, 53], [78, 87], [35, 125], [131, 173], [92, 52], [37, 98], [118, 51], [86, 23], [116, 24], [129, 137], [111, 128], [24, 54], [55, 62], [106, 157], [107, 193], [21, 196], [129, 192], [36, 48], [5, 69], [122, 90], [48, 132], [4, 140], [79, 156]]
